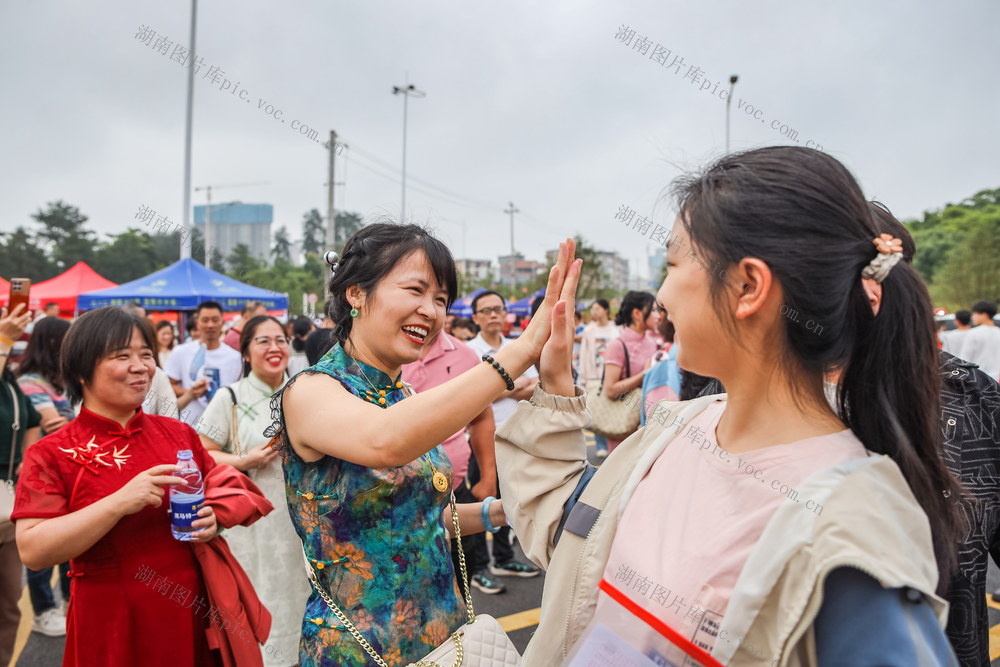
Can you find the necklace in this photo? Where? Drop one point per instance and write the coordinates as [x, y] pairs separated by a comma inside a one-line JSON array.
[[376, 395]]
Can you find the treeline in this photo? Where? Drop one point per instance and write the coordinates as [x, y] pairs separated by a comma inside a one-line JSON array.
[[58, 237], [958, 251]]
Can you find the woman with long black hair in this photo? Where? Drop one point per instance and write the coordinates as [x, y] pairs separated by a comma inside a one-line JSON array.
[[761, 526]]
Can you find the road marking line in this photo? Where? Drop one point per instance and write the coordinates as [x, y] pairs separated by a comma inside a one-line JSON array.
[[994, 642], [521, 620]]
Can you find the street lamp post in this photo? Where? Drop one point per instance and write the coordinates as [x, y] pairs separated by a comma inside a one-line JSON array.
[[732, 83], [406, 91]]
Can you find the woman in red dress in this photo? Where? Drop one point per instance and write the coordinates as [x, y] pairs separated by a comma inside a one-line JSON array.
[[95, 493]]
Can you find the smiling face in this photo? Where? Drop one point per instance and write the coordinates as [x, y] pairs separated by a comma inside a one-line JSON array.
[[122, 378], [652, 320], [407, 308], [685, 295], [165, 336], [268, 351]]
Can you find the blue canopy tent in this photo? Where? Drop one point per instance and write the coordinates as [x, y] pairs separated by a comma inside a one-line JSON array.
[[463, 307], [182, 286], [522, 308]]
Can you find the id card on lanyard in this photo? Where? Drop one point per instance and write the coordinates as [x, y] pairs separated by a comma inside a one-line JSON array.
[[652, 643]]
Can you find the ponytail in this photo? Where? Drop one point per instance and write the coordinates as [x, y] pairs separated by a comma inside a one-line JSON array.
[[642, 300], [802, 213]]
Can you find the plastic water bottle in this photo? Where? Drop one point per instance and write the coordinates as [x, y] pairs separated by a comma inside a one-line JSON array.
[[186, 499]]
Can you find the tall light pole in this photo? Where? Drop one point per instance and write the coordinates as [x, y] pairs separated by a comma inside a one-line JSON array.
[[406, 91], [331, 218], [186, 219], [732, 83], [511, 211]]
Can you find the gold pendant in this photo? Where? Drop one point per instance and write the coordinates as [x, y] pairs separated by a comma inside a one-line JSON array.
[[440, 481]]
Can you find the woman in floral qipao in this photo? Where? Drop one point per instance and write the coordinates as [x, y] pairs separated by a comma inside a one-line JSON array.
[[367, 481]]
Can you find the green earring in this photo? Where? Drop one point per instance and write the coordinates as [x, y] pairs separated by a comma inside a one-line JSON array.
[[354, 312]]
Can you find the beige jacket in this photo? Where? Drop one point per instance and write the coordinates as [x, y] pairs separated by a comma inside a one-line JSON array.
[[869, 520]]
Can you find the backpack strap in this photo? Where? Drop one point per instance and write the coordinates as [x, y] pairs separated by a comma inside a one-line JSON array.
[[234, 434]]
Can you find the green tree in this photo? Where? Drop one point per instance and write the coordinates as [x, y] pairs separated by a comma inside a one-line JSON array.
[[22, 257], [241, 262], [128, 256], [592, 274], [282, 249], [313, 232], [218, 262], [347, 224], [956, 247], [971, 271], [63, 231]]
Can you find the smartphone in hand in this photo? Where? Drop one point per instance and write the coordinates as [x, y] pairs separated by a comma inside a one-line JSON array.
[[19, 292]]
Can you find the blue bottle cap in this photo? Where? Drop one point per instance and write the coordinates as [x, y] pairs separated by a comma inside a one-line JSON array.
[[184, 455]]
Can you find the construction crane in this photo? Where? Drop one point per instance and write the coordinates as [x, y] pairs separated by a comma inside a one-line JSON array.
[[208, 213]]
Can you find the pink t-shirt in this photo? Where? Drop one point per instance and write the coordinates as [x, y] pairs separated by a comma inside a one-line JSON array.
[[448, 357], [640, 350], [692, 522]]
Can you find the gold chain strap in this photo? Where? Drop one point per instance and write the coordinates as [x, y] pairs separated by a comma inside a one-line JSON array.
[[456, 636]]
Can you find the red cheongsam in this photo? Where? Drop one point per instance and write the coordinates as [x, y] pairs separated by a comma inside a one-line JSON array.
[[137, 596]]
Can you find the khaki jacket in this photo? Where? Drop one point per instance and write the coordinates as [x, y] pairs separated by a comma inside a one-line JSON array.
[[869, 520]]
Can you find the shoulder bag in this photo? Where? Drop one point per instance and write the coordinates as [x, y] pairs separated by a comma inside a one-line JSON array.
[[614, 418], [7, 492], [234, 429], [479, 643]]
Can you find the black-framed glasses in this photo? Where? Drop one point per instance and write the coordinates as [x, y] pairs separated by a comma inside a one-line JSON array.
[[495, 310], [280, 341]]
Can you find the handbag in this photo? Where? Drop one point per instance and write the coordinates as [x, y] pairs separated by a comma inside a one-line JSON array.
[[7, 492], [614, 418], [479, 643]]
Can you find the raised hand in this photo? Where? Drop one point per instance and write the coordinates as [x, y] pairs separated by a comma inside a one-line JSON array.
[[539, 328], [555, 365], [13, 324]]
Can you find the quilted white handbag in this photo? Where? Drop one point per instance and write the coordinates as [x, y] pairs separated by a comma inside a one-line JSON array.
[[483, 642], [479, 643]]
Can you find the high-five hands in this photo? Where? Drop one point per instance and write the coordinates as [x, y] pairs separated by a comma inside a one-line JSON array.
[[555, 366], [563, 279]]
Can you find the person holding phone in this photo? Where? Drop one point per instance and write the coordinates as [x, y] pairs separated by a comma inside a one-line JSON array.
[[12, 446]]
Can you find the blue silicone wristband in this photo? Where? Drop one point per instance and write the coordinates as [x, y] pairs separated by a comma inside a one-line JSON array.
[[484, 512]]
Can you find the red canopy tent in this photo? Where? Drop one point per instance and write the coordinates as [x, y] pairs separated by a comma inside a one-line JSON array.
[[63, 289]]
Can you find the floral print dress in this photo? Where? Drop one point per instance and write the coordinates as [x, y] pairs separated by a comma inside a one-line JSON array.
[[376, 539]]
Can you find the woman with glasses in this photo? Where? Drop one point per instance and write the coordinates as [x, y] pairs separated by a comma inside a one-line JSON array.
[[232, 430]]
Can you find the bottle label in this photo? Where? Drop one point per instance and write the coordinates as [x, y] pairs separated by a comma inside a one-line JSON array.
[[183, 513]]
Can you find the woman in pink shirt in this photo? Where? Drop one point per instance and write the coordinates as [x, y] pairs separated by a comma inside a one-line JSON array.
[[761, 526], [623, 373]]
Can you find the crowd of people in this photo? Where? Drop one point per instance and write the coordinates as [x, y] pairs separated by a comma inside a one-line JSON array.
[[340, 461]]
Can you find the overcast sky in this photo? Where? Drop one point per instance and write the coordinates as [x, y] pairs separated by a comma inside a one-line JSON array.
[[532, 102]]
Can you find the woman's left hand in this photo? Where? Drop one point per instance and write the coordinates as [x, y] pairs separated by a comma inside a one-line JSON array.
[[206, 524], [555, 366]]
